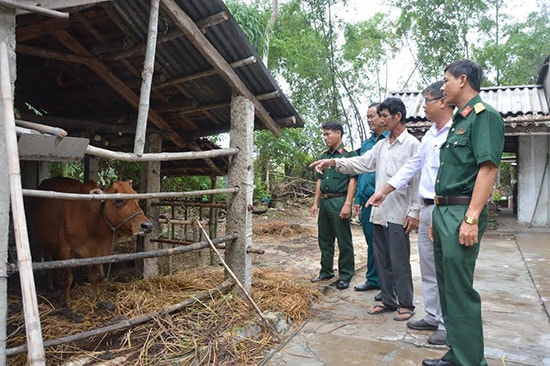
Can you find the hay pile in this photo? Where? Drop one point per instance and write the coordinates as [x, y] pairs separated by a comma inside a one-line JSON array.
[[202, 334], [279, 228]]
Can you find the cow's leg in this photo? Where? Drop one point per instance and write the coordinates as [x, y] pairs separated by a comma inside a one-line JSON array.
[[68, 283], [96, 275]]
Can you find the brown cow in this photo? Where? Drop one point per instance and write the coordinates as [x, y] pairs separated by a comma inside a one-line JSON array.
[[67, 229]]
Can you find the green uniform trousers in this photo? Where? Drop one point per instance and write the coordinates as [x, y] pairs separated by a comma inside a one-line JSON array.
[[330, 227], [460, 302]]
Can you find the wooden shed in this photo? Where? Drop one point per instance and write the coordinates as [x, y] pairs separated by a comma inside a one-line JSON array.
[[149, 80]]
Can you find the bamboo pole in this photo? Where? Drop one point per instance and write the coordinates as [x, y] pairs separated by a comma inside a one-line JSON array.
[[224, 287], [189, 155], [56, 131], [117, 258], [34, 9], [240, 285], [30, 305], [147, 79], [118, 196]]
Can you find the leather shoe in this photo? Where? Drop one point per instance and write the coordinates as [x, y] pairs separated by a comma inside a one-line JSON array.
[[437, 362], [341, 285], [378, 297], [365, 287], [322, 278], [421, 325], [438, 338]]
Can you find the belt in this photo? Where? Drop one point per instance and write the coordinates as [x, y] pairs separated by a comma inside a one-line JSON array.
[[452, 200], [428, 201], [327, 196]]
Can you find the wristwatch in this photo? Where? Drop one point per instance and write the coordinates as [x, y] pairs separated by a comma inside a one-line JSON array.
[[470, 220]]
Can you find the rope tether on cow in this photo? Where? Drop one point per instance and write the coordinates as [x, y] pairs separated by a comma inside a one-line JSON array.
[[114, 229]]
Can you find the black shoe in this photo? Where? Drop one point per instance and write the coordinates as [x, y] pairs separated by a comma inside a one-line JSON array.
[[378, 297], [342, 285], [421, 325], [438, 362], [322, 278], [365, 287]]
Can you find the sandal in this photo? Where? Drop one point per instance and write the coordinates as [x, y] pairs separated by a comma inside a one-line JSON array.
[[379, 309], [403, 314]]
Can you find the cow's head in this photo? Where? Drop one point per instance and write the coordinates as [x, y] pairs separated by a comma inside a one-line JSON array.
[[125, 216]]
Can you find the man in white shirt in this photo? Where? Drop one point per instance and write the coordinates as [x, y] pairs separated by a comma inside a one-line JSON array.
[[395, 218], [425, 161]]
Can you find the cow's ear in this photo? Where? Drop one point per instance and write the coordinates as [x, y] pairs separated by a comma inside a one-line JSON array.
[[96, 191], [129, 181]]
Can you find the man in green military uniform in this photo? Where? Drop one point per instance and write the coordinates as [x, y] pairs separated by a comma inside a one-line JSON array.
[[333, 201], [470, 158]]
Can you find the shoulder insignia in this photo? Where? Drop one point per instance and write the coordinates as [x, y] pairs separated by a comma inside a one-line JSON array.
[[479, 107], [348, 149], [466, 111]]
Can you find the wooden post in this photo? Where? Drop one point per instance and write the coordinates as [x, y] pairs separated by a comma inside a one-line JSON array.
[[147, 75], [35, 354], [151, 183], [241, 175]]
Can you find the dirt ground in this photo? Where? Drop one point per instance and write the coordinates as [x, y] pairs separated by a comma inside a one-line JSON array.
[[289, 238]]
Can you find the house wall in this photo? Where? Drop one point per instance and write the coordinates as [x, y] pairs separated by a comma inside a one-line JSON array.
[[534, 180]]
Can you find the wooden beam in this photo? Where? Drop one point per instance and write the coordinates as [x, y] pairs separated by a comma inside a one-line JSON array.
[[120, 87], [77, 125], [40, 29], [212, 20], [139, 49], [195, 36], [247, 61]]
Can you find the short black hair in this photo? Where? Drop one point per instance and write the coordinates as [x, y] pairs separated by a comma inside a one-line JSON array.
[[394, 105], [434, 90], [333, 126], [472, 70]]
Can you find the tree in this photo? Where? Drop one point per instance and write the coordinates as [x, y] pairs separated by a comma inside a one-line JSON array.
[[521, 55], [444, 31]]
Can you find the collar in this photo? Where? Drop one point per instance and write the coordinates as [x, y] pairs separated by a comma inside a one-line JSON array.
[[339, 150], [465, 111], [433, 129], [402, 136]]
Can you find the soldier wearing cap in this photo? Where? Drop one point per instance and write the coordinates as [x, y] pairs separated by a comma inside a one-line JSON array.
[[333, 202], [469, 158]]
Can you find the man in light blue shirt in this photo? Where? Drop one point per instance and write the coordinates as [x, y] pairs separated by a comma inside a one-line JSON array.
[[365, 188], [425, 161]]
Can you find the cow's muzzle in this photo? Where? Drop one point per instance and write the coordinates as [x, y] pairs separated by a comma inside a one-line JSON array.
[[146, 227]]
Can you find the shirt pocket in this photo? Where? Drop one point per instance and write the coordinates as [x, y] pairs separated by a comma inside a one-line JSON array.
[[459, 148]]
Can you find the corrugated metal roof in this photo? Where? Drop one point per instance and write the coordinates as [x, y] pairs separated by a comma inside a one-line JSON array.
[[510, 101], [58, 63]]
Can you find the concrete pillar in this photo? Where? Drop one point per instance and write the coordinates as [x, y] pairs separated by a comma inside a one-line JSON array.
[[241, 174], [7, 33], [534, 180], [150, 182], [91, 168]]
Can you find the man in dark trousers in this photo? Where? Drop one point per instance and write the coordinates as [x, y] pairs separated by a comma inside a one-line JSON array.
[[333, 201], [365, 188], [469, 159], [396, 217]]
